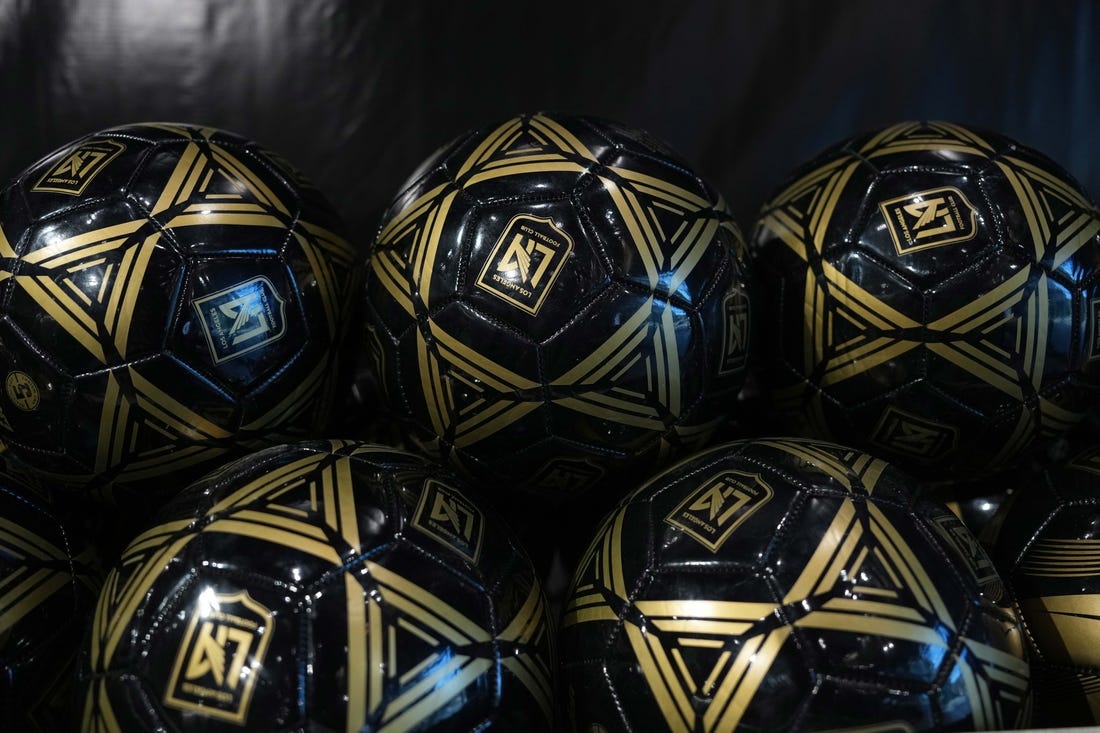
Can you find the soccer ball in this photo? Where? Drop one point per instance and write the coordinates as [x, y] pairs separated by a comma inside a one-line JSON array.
[[555, 303], [321, 585], [170, 296], [1047, 550], [935, 295], [786, 584], [50, 577]]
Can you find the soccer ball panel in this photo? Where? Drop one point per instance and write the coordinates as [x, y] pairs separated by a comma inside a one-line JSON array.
[[51, 574], [75, 280], [1044, 545], [853, 706], [95, 167], [37, 394]]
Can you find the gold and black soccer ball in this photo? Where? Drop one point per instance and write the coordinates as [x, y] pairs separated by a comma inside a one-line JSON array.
[[1047, 548], [558, 302], [934, 295], [49, 580], [170, 296], [787, 584], [321, 585]]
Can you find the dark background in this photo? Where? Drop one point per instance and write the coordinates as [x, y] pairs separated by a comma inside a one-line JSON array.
[[358, 92]]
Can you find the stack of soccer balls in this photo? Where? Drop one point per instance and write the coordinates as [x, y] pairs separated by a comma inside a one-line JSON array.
[[329, 473]]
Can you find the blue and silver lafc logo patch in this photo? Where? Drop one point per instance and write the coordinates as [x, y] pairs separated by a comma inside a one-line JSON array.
[[215, 670], [241, 318]]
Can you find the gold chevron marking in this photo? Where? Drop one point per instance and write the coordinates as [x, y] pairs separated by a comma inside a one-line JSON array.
[[490, 145], [190, 180], [76, 314], [561, 137]]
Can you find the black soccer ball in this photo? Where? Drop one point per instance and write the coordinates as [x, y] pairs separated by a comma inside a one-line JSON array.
[[783, 584], [49, 579], [322, 585], [555, 303], [170, 296], [935, 298], [1047, 548]]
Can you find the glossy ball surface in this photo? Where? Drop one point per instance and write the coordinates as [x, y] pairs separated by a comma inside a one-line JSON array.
[[321, 586], [49, 580], [170, 296], [557, 303], [788, 585], [1047, 548], [935, 297]]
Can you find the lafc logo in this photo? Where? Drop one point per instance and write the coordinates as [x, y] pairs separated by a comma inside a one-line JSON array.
[[445, 515], [215, 669], [79, 166], [952, 529], [566, 477], [720, 505], [735, 331], [241, 318], [913, 436], [929, 218], [526, 261]]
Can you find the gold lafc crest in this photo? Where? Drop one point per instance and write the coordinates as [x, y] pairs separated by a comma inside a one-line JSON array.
[[224, 647], [927, 219], [527, 258], [78, 166]]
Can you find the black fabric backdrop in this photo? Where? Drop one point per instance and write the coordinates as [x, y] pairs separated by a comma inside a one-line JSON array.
[[357, 92]]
